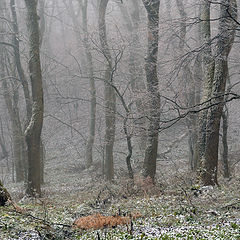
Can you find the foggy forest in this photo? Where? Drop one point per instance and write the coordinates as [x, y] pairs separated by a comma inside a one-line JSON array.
[[119, 119]]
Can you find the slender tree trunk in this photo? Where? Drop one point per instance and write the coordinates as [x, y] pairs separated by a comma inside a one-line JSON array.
[[198, 79], [149, 167], [76, 27], [190, 86], [3, 145], [198, 75], [20, 70], [42, 28], [225, 118], [226, 171], [23, 79], [17, 134], [34, 129], [90, 70], [110, 97], [12, 106], [135, 69]]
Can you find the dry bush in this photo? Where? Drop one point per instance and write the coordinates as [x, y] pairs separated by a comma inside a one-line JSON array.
[[98, 221]]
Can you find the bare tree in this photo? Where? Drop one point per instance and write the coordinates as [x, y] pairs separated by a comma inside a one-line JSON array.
[[131, 17], [11, 97], [226, 34], [90, 71], [110, 97], [208, 73], [152, 7], [17, 58], [34, 128], [189, 82]]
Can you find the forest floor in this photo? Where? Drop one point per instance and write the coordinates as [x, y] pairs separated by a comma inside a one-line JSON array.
[[177, 211], [174, 208]]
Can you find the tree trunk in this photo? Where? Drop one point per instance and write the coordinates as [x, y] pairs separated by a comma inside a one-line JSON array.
[[149, 167], [76, 27], [88, 64], [226, 171], [42, 28], [135, 69], [224, 44], [190, 86], [198, 75], [208, 74], [110, 97], [90, 71], [3, 145], [17, 59], [12, 106], [34, 129]]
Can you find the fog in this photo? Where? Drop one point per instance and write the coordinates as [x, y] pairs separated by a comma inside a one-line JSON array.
[[132, 91]]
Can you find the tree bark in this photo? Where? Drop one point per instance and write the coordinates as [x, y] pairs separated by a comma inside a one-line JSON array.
[[226, 171], [34, 129], [208, 65], [227, 27], [149, 167], [110, 97], [90, 71]]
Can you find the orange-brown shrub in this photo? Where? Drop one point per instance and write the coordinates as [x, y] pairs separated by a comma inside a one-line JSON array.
[[98, 221]]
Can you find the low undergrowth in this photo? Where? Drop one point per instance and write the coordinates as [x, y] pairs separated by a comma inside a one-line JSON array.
[[180, 213]]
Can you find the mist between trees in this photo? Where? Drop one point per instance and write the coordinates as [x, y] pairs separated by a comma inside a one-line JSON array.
[[119, 89]]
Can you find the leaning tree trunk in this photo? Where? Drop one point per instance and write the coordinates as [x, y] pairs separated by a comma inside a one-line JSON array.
[[227, 26], [34, 129], [110, 97], [149, 167], [17, 59]]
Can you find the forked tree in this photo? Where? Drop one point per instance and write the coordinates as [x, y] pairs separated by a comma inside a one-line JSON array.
[[216, 73]]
